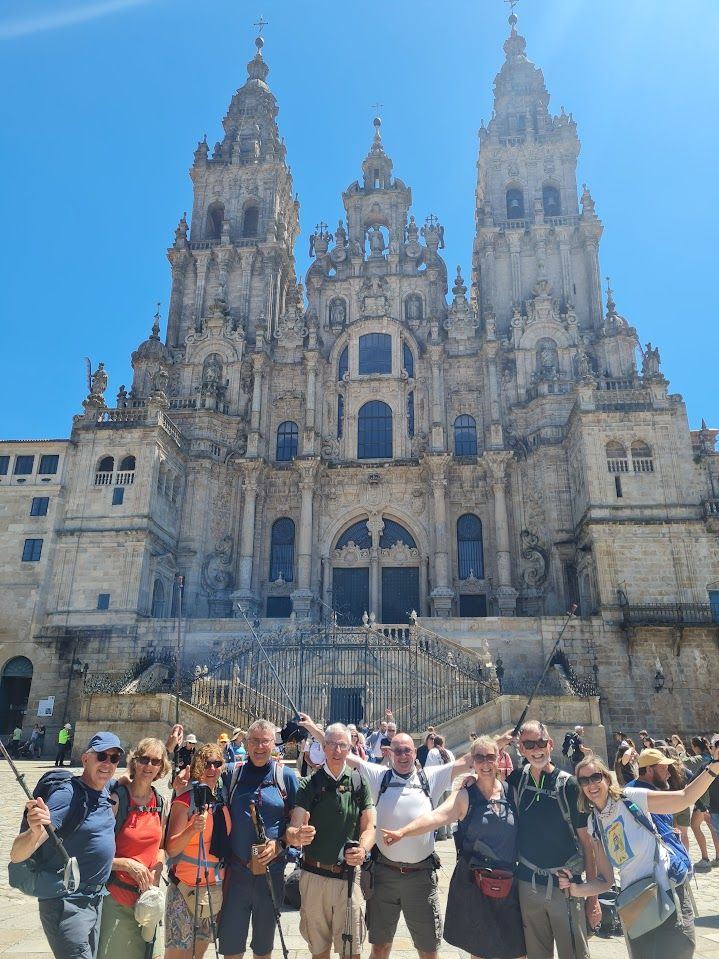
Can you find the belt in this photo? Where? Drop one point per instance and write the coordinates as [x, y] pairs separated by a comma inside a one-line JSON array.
[[405, 868], [333, 871]]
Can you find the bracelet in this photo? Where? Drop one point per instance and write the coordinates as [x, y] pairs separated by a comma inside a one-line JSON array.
[[711, 773]]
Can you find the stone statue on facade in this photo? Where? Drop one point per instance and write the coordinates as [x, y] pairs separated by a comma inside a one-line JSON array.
[[651, 360], [99, 382]]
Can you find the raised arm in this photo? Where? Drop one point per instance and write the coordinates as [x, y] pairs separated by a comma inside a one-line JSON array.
[[452, 809], [679, 799]]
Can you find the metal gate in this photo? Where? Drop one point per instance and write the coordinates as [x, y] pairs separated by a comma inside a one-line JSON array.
[[342, 674], [350, 595], [400, 593]]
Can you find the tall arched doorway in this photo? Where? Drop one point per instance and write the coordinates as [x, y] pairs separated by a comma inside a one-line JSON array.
[[375, 569], [14, 692]]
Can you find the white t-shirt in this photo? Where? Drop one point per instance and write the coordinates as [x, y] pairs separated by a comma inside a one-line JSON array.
[[377, 747], [630, 845], [402, 801], [434, 757], [315, 753]]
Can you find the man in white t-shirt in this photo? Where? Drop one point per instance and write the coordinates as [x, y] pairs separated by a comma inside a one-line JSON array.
[[405, 879]]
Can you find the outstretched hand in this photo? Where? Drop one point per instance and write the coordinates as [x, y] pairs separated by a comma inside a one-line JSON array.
[[391, 836]]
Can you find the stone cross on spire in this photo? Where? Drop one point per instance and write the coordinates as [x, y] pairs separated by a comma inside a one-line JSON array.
[[263, 23]]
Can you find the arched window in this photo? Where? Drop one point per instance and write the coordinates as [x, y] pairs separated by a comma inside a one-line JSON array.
[[375, 353], [127, 463], [282, 550], [642, 460], [158, 600], [465, 436], [343, 365], [617, 461], [358, 534], [394, 533], [215, 218], [407, 359], [106, 464], [551, 201], [515, 204], [470, 557], [250, 221], [374, 431], [287, 434]]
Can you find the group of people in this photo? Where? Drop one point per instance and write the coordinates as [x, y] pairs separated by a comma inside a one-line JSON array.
[[536, 845]]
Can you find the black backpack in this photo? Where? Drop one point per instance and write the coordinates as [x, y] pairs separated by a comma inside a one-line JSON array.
[[567, 744], [123, 806], [41, 875]]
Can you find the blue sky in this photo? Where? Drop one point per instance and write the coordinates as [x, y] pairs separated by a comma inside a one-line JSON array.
[[105, 100]]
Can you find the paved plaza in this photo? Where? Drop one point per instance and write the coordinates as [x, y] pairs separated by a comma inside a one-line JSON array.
[[21, 935]]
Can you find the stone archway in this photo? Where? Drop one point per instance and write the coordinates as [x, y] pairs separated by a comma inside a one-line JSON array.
[[14, 692]]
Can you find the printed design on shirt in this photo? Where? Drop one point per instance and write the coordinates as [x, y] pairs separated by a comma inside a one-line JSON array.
[[618, 845]]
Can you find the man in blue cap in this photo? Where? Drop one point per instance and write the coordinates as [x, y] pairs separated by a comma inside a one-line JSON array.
[[72, 920]]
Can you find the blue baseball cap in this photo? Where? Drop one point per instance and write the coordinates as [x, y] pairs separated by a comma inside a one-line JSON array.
[[102, 741]]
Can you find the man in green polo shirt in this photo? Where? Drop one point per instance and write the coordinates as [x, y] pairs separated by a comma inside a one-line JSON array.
[[332, 809]]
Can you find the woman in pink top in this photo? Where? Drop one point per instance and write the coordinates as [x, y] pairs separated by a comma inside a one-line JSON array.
[[504, 764]]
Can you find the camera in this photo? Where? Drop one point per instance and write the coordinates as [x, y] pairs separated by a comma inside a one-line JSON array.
[[202, 795]]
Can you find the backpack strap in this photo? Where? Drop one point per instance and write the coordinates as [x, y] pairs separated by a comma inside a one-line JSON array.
[[124, 806], [384, 785]]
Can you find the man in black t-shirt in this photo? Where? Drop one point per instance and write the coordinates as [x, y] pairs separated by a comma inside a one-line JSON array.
[[552, 835]]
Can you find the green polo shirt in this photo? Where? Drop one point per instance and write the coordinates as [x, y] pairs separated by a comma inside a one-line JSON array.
[[333, 812]]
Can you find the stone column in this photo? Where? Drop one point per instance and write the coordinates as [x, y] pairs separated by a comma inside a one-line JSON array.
[[442, 594], [253, 438], [201, 266], [309, 438], [506, 595], [375, 526], [302, 596], [515, 264], [591, 252], [436, 400], [250, 485]]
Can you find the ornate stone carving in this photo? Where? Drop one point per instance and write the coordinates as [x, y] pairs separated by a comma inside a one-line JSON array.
[[535, 575], [350, 555], [217, 569], [400, 555], [373, 296]]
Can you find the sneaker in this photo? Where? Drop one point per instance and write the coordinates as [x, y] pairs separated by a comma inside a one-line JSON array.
[[702, 866], [714, 863]]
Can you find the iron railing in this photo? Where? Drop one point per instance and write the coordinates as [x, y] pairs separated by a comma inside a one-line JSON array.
[[670, 614]]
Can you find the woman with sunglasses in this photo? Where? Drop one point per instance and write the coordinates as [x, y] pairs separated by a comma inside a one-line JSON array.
[[189, 835], [138, 858], [623, 843], [357, 744], [483, 916]]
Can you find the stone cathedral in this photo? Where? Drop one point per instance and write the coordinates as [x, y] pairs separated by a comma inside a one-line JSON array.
[[384, 439]]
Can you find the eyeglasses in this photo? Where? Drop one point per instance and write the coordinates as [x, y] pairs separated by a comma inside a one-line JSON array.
[[402, 752], [148, 761], [593, 778], [261, 742], [481, 758], [333, 745], [213, 763], [105, 757], [534, 743]]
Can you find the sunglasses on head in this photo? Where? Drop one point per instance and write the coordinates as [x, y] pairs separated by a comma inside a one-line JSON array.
[[106, 757], [592, 778], [148, 761], [534, 743], [214, 763]]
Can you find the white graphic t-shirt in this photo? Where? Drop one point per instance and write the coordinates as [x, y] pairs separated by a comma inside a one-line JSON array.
[[629, 844]]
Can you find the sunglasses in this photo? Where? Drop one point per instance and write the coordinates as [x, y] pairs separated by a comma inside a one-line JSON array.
[[402, 752], [481, 758], [214, 763], [534, 743], [105, 757], [587, 780], [148, 761]]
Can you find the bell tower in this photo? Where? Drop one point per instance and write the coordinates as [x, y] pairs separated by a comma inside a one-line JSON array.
[[530, 229]]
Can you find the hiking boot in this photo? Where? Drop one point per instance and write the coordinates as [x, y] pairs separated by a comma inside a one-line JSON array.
[[702, 866], [714, 863]]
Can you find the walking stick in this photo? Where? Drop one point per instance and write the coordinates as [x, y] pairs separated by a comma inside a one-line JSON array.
[[196, 910], [259, 825], [347, 937], [213, 923], [71, 872], [570, 614], [572, 934]]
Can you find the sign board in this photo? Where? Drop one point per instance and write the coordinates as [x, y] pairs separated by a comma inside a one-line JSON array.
[[46, 706]]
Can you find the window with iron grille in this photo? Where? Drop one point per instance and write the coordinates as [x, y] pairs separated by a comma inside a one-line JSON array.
[[32, 550], [375, 353], [410, 415], [358, 534], [394, 533], [48, 464], [282, 550], [374, 431], [287, 438], [340, 417], [118, 495], [39, 505], [470, 556], [279, 607]]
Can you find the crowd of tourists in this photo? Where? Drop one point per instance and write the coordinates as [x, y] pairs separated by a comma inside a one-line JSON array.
[[540, 843]]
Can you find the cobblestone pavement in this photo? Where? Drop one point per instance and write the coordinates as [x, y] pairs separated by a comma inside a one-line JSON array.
[[21, 935]]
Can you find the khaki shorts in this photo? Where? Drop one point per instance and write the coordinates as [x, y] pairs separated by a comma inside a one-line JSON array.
[[324, 912], [413, 894]]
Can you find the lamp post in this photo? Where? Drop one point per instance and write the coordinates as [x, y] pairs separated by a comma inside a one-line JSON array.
[[180, 583]]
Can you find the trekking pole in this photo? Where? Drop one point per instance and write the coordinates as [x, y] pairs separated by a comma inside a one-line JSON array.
[[568, 899], [196, 910], [269, 661], [259, 825], [570, 614], [71, 872], [347, 937], [213, 923]]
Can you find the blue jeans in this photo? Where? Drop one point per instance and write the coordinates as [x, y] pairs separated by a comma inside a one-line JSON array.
[[715, 820], [72, 926]]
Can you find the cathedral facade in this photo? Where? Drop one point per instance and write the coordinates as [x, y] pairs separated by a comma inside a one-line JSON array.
[[386, 438]]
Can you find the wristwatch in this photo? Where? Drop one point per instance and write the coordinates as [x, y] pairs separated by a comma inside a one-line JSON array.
[[711, 773], [367, 855]]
